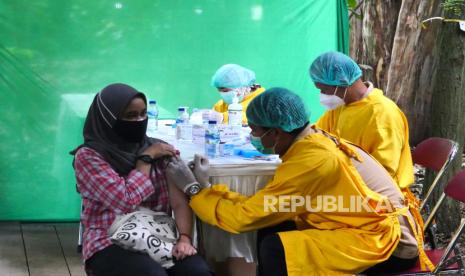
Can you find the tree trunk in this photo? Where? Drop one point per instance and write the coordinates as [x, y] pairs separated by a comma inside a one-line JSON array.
[[448, 112], [403, 57], [414, 62], [372, 37]]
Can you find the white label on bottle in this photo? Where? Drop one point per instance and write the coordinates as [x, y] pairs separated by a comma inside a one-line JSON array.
[[235, 118], [185, 132], [198, 134], [229, 133]]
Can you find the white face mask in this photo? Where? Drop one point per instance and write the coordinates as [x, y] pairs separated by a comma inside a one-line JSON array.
[[331, 102]]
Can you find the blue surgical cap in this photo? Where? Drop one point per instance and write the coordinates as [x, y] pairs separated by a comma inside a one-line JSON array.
[[278, 108], [233, 76], [335, 69]]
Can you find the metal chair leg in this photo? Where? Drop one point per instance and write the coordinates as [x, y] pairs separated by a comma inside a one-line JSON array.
[[450, 246], [79, 245]]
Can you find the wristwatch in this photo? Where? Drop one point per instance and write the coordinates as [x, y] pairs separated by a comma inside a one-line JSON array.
[[145, 158], [193, 189]]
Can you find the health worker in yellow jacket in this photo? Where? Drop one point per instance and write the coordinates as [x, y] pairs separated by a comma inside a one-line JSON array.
[[361, 114], [234, 80], [308, 216]]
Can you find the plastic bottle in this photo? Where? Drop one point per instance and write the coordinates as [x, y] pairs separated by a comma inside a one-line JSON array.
[[235, 113], [226, 149], [152, 114], [179, 121], [183, 128], [212, 140], [205, 117], [183, 116]]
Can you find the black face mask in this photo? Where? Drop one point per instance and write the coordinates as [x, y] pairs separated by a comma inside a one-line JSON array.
[[131, 131]]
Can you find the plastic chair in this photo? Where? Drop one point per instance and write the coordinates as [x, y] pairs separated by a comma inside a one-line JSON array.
[[435, 154], [448, 258]]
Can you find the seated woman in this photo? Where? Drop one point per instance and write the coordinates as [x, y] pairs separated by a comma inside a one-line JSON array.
[[234, 80], [115, 175], [329, 209]]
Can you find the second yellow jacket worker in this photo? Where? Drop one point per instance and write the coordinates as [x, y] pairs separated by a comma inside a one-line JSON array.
[[222, 107], [325, 242], [376, 124]]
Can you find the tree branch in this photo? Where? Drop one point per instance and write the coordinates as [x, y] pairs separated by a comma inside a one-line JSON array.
[[355, 9]]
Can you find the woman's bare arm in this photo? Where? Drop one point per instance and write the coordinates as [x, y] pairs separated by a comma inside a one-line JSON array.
[[182, 212]]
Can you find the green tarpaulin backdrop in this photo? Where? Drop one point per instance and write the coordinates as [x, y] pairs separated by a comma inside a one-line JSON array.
[[55, 55]]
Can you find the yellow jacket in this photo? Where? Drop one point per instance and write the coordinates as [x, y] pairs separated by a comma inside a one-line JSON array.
[[222, 107], [326, 242], [376, 124]]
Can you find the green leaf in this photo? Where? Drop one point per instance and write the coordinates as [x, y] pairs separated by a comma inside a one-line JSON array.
[[351, 4], [455, 6]]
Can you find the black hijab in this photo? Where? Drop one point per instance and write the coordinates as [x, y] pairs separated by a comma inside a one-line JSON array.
[[99, 135]]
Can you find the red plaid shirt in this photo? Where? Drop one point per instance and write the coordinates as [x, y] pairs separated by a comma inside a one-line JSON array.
[[106, 194]]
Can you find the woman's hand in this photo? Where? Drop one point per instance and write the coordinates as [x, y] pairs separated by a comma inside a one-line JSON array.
[[159, 150], [183, 249]]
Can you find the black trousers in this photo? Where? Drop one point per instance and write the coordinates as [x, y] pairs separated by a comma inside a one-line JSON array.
[[272, 262], [270, 250], [390, 266], [116, 261]]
